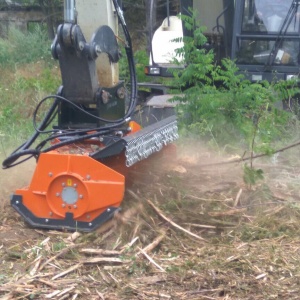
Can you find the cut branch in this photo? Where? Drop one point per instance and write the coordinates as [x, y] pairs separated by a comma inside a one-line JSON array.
[[151, 260], [155, 243], [100, 252], [159, 212]]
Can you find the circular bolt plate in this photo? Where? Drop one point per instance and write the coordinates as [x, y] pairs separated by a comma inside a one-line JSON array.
[[69, 195]]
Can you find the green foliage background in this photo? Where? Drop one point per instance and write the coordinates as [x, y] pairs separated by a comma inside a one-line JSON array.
[[219, 105], [20, 47], [28, 74]]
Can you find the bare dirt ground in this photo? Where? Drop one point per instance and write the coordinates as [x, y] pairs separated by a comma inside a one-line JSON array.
[[186, 231]]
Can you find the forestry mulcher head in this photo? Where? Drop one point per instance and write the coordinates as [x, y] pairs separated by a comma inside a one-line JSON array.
[[79, 180]]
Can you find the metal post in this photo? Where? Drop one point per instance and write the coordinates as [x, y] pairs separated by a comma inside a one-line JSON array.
[[168, 12], [69, 11]]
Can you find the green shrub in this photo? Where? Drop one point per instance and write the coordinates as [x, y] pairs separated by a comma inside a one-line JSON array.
[[218, 103], [20, 47], [141, 60]]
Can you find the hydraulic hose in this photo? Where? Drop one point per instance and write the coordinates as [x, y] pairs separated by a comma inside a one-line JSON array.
[[131, 64], [23, 149]]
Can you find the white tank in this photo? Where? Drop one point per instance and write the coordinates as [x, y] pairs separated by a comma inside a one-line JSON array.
[[163, 46]]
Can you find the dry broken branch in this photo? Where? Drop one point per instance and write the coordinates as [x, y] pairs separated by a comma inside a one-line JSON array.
[[151, 260], [103, 260], [201, 226], [100, 252], [238, 196], [155, 243], [62, 252], [72, 269], [159, 212]]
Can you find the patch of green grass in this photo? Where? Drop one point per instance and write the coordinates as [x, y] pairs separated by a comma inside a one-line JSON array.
[[20, 47], [58, 246], [19, 98]]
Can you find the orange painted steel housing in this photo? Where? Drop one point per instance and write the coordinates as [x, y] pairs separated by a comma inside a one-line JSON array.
[[74, 184], [67, 183]]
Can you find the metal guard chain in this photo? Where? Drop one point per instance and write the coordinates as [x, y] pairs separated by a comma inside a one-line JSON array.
[[140, 148]]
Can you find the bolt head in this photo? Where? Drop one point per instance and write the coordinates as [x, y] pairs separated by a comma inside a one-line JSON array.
[[47, 220], [50, 174], [121, 92], [98, 49], [75, 206], [81, 45]]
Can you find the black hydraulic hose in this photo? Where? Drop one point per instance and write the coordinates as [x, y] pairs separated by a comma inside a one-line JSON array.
[[23, 149], [9, 161], [77, 107], [71, 141], [133, 101], [83, 136], [70, 132], [129, 53], [42, 126]]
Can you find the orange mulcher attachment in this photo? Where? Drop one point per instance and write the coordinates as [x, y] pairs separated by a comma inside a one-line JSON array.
[[70, 191], [75, 188]]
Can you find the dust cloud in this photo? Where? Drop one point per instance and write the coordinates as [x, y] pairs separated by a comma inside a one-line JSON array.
[[14, 178], [197, 154]]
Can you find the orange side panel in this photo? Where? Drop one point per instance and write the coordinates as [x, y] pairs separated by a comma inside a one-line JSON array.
[[77, 184]]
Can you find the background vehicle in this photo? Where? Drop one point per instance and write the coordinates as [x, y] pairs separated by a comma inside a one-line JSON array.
[[262, 36]]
